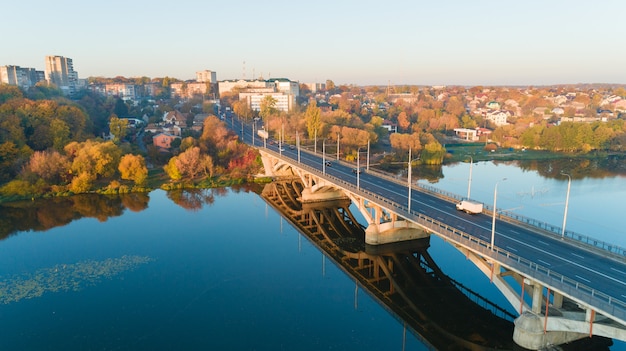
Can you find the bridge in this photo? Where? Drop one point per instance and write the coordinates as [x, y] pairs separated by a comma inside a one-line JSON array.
[[564, 288], [403, 277]]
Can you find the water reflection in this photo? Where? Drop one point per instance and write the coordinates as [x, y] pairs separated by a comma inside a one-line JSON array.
[[578, 168], [44, 214], [65, 277], [195, 199], [404, 278]]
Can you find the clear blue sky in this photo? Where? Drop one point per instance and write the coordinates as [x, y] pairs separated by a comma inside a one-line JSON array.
[[359, 42]]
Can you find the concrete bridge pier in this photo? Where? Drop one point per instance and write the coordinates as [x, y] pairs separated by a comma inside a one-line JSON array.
[[530, 333], [393, 231]]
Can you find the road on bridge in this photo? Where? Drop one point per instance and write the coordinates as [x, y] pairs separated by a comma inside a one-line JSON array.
[[589, 267]]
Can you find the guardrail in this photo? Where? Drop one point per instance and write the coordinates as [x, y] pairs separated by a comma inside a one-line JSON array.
[[573, 288], [552, 230]]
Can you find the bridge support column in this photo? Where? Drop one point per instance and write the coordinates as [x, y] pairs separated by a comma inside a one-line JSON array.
[[308, 195], [529, 333], [537, 297], [393, 232]]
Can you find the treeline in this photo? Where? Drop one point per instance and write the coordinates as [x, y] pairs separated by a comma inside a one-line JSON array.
[[576, 137], [48, 146]]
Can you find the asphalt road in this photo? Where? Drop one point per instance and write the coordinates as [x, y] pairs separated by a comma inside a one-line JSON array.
[[588, 267]]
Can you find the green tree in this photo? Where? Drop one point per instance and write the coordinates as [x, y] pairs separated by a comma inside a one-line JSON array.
[[8, 92], [60, 134]]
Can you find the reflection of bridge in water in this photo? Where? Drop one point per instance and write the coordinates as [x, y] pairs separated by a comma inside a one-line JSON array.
[[403, 277]]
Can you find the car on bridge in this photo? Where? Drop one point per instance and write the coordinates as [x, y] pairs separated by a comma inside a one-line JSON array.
[[328, 164], [356, 170]]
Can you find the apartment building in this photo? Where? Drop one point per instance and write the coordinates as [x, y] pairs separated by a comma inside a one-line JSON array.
[[284, 102], [60, 72], [206, 76], [205, 85], [22, 77]]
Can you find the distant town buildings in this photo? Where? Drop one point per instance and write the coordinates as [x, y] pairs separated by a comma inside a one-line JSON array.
[[22, 77], [205, 85], [283, 90], [60, 72], [315, 87]]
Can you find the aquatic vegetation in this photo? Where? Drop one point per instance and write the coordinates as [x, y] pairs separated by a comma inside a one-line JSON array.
[[66, 277]]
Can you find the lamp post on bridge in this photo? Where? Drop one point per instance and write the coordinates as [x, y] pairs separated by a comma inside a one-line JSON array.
[[469, 181], [324, 156], [569, 184], [409, 180], [367, 167], [495, 209], [298, 144], [358, 167], [337, 146]]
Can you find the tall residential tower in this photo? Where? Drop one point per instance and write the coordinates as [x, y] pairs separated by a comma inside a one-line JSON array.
[[60, 72]]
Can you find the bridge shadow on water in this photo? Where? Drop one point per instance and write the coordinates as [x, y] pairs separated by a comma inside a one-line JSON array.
[[404, 278]]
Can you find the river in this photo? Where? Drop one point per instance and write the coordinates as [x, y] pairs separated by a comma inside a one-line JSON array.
[[221, 269]]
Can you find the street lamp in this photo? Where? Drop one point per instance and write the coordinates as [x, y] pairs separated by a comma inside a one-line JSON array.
[[358, 167], [324, 156], [469, 181], [253, 128], [495, 209], [409, 179], [569, 184], [298, 144], [368, 155], [337, 146]]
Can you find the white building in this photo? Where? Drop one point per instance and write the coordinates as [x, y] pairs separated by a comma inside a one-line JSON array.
[[499, 117], [227, 86], [284, 102], [206, 76], [123, 91]]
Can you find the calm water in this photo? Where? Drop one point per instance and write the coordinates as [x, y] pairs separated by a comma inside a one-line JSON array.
[[223, 271]]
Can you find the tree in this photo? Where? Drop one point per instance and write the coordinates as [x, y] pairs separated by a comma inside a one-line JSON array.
[[118, 128], [60, 134], [241, 108], [189, 163], [330, 85], [312, 118], [49, 165], [8, 92], [133, 167], [97, 159], [121, 109], [402, 142], [81, 183], [172, 170], [403, 121], [268, 107]]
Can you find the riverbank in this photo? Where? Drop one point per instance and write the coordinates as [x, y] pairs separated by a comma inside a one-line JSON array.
[[157, 179]]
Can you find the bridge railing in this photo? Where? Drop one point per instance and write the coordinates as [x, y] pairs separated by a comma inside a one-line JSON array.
[[571, 287], [508, 216]]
